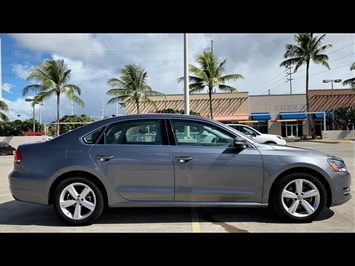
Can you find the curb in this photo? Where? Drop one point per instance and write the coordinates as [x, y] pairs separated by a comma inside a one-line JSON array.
[[330, 141]]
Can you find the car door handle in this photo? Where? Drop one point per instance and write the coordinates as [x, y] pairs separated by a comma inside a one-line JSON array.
[[103, 158], [183, 159]]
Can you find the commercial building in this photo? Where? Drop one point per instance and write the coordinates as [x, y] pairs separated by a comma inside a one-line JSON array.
[[282, 114]]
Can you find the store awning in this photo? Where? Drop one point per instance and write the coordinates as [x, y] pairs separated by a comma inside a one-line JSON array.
[[260, 116], [318, 115], [228, 118], [285, 115], [246, 121]]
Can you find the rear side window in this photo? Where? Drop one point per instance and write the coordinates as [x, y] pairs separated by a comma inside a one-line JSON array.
[[137, 132], [92, 137]]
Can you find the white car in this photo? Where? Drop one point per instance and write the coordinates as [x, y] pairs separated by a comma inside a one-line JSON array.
[[263, 138]]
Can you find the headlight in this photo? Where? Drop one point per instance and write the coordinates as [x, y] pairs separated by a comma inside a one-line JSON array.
[[337, 165]]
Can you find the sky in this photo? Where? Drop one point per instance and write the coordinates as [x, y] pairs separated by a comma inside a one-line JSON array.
[[95, 58]]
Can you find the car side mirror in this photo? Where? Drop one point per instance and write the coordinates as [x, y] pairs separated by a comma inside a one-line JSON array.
[[240, 143]]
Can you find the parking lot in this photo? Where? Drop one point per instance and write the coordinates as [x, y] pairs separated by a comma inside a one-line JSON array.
[[25, 217]]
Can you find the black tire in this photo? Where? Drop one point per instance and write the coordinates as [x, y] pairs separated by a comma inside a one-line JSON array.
[[82, 211], [301, 206]]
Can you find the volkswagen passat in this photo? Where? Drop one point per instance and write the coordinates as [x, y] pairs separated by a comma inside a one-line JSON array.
[[173, 160]]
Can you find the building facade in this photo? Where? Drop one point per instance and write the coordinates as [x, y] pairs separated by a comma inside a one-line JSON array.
[[281, 114]]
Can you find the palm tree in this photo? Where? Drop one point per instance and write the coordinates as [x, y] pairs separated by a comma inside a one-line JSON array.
[[210, 75], [350, 81], [3, 108], [308, 48], [53, 77], [132, 87]]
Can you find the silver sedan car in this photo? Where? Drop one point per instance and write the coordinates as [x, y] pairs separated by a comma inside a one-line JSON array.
[[174, 160]]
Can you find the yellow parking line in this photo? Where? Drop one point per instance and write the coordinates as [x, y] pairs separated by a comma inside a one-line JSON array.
[[195, 221]]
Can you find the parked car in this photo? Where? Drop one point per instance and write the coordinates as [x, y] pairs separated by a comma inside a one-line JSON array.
[[261, 137], [6, 149], [162, 160]]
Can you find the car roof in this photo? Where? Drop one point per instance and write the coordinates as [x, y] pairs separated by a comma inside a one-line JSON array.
[[150, 115], [101, 123]]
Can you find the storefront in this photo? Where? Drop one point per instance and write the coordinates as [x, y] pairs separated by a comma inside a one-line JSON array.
[[291, 123], [280, 114], [261, 119]]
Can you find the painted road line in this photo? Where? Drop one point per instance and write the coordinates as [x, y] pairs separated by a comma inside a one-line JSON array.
[[195, 221]]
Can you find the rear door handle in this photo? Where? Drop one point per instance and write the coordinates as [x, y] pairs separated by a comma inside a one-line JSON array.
[[184, 159]]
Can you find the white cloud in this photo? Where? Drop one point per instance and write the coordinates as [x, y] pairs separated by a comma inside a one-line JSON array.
[[7, 87], [95, 58]]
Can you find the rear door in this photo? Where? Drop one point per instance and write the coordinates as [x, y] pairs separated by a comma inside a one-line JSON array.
[[136, 160]]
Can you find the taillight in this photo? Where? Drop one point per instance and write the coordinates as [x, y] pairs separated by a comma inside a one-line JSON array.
[[18, 156]]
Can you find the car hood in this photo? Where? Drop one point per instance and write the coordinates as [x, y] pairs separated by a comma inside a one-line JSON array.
[[291, 149]]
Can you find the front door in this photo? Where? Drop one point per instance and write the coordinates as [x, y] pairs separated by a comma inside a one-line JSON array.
[[291, 130]]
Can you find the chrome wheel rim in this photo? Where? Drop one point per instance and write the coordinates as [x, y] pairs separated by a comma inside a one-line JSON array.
[[300, 198], [77, 201]]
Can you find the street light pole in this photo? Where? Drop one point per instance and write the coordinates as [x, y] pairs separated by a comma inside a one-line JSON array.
[[331, 82], [33, 110], [40, 112]]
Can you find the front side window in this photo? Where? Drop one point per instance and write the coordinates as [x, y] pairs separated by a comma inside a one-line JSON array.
[[200, 134]]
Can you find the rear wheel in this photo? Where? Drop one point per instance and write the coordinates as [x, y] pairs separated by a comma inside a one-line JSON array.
[[78, 201], [299, 197]]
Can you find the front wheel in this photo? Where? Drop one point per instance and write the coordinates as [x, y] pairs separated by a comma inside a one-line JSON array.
[[78, 201], [299, 197]]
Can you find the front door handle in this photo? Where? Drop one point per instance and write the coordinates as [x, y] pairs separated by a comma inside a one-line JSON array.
[[183, 159]]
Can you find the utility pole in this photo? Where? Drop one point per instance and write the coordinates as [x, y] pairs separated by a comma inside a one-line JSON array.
[[103, 108], [290, 79], [209, 48]]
